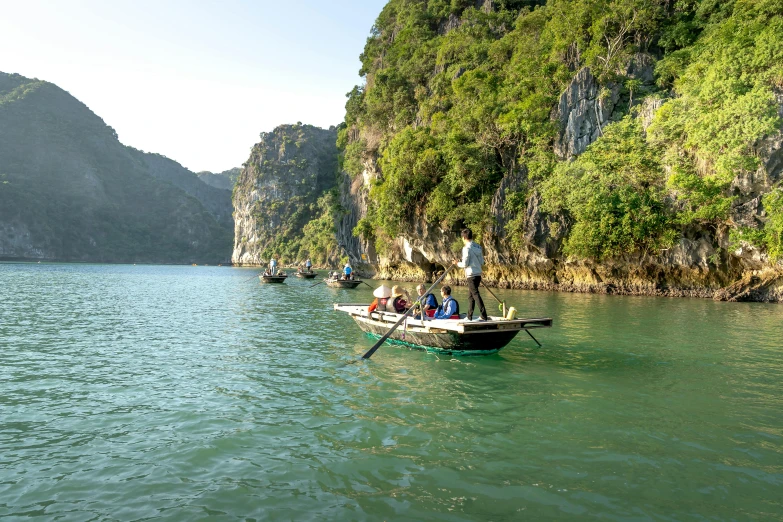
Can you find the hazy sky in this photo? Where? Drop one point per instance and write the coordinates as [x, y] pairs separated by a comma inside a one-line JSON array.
[[193, 80]]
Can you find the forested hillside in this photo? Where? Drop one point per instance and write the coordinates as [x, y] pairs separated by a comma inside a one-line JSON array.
[[69, 190], [608, 145]]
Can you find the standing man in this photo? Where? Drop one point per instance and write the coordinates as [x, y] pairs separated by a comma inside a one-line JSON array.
[[273, 266], [308, 265], [347, 271], [472, 260]]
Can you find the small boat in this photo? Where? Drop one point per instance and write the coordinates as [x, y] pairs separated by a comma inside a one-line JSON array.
[[342, 283], [306, 275], [277, 278], [451, 336]]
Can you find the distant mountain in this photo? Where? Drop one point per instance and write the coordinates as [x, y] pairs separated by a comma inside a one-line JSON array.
[[69, 190], [222, 180]]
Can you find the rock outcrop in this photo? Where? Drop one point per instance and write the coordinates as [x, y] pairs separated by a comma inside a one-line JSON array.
[[276, 192], [701, 264]]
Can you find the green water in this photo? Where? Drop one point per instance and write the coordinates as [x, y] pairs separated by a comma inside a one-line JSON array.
[[191, 393]]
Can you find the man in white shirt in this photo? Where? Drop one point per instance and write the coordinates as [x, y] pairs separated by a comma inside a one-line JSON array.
[[472, 260]]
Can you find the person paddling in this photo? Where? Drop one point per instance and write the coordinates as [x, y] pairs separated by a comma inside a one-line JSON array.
[[272, 266], [472, 260], [308, 265]]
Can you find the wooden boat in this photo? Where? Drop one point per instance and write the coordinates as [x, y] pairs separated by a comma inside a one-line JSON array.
[[452, 336], [306, 275], [278, 278], [343, 283]]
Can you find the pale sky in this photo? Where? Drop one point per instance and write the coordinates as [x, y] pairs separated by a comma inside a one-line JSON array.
[[196, 81]]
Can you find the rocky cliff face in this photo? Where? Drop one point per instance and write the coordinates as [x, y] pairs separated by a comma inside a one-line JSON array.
[[704, 263], [277, 191]]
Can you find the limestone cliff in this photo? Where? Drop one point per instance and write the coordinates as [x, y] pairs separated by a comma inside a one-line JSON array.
[[451, 119], [277, 193]]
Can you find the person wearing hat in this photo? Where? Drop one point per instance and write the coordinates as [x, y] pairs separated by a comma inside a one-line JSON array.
[[382, 302], [347, 271], [398, 304]]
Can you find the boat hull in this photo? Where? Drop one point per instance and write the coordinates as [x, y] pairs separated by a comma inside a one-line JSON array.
[[445, 342], [272, 279], [306, 275], [339, 283]]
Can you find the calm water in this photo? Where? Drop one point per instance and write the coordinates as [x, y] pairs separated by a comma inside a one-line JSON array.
[[191, 393]]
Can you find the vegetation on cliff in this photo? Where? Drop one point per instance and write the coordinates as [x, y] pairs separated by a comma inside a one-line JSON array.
[[69, 190], [285, 199], [461, 95]]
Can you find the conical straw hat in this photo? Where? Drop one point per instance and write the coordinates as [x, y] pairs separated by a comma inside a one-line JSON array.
[[382, 291]]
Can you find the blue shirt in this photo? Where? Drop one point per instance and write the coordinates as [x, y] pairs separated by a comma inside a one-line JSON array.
[[429, 300], [347, 270], [447, 309]]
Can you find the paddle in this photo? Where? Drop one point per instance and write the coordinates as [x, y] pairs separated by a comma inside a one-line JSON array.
[[410, 310], [496, 297], [316, 284], [246, 280]]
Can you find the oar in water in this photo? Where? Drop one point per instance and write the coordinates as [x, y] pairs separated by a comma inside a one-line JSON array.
[[504, 311], [316, 284], [368, 284], [246, 280], [404, 316], [503, 303]]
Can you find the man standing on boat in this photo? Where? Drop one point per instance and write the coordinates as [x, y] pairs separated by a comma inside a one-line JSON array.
[[472, 260], [308, 265], [273, 266]]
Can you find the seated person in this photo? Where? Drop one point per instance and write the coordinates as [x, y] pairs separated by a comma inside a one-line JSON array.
[[399, 304], [449, 307], [382, 302], [425, 302]]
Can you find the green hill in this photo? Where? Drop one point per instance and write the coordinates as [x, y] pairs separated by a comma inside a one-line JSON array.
[[69, 190], [223, 180]]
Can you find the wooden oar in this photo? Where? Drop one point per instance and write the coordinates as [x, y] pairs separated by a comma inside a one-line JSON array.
[[316, 284], [246, 280], [496, 297], [366, 283], [391, 330]]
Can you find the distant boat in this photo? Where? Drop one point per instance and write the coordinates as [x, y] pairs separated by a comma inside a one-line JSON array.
[[305, 274], [277, 278], [454, 336], [342, 283]]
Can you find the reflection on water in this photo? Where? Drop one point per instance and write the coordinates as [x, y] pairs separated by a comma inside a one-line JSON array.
[[134, 392]]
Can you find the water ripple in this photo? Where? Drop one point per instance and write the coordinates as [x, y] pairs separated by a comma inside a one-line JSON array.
[[143, 393]]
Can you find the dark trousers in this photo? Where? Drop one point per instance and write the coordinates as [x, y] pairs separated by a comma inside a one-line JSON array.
[[473, 288]]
